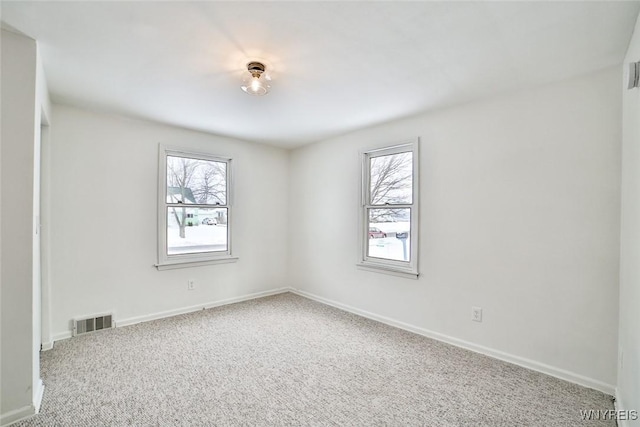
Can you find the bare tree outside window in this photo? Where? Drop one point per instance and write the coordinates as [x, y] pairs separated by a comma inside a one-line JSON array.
[[211, 187], [194, 181], [391, 184]]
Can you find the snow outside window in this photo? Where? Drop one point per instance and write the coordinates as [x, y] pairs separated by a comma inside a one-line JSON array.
[[389, 213], [193, 209]]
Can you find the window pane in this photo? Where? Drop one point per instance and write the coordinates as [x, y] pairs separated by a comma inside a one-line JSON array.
[[195, 230], [196, 181], [390, 234], [391, 179]]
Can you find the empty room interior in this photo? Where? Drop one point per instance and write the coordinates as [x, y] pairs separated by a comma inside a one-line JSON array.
[[320, 213]]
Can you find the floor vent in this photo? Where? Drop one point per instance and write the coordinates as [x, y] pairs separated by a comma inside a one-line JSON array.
[[92, 324]]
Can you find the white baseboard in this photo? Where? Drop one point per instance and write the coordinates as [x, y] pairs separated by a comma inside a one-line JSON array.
[[17, 415], [183, 310], [496, 354], [619, 406], [46, 346], [61, 336], [38, 396], [622, 408], [25, 412]]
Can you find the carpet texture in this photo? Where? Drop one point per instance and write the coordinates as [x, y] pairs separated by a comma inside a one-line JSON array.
[[287, 360]]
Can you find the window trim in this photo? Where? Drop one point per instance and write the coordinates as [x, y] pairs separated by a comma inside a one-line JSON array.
[[166, 261], [381, 265]]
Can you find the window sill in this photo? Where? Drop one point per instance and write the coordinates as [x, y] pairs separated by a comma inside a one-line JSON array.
[[388, 270], [188, 264]]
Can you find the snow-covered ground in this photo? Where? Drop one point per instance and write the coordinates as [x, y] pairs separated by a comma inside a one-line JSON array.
[[199, 238], [206, 238], [392, 227], [391, 247]]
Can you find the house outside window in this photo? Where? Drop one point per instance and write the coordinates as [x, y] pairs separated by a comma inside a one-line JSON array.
[[389, 211], [194, 209]]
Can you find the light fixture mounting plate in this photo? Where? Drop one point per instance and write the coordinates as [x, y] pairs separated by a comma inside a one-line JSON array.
[[255, 66]]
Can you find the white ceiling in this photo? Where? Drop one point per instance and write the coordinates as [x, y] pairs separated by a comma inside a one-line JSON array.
[[336, 66]]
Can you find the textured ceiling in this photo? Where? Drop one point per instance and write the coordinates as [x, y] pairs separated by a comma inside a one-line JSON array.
[[336, 66]]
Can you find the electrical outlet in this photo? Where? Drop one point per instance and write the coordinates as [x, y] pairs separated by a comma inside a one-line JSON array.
[[476, 314], [191, 284]]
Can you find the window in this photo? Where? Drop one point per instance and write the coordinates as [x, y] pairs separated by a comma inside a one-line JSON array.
[[389, 210], [194, 209]]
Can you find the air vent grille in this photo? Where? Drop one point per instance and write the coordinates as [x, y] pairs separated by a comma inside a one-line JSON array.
[[92, 324]]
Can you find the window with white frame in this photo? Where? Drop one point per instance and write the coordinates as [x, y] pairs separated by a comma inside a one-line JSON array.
[[389, 209], [194, 208]]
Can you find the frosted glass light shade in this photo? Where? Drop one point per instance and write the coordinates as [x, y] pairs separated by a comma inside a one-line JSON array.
[[256, 86]]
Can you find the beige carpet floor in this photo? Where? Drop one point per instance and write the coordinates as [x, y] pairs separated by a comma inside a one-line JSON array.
[[287, 360]]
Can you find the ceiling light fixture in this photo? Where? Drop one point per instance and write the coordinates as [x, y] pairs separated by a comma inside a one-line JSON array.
[[257, 82]]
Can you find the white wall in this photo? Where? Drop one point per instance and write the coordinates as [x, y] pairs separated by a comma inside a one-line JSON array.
[[45, 313], [629, 333], [102, 204], [41, 292], [24, 102], [519, 215]]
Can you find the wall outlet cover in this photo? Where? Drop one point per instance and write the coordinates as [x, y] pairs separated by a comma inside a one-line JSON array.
[[476, 314]]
